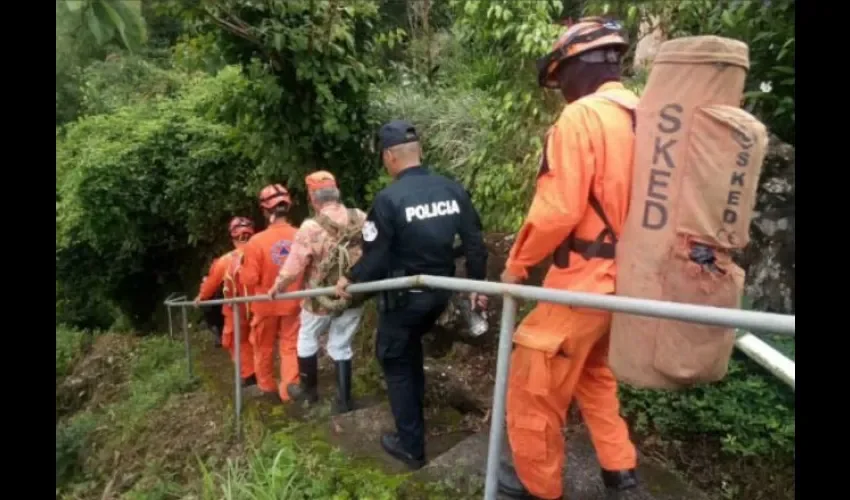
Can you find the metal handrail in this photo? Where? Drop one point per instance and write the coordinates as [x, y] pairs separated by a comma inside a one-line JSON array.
[[748, 320]]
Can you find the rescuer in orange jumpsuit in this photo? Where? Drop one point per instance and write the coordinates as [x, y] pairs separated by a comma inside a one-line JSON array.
[[225, 270], [579, 208], [278, 320]]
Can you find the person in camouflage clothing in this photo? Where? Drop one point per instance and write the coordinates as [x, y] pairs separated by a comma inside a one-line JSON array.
[[325, 247]]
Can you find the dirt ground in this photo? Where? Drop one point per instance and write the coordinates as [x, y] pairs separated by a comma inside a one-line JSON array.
[[97, 378], [165, 446]]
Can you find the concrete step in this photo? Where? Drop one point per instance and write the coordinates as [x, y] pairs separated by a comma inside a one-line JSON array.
[[466, 464], [359, 434]]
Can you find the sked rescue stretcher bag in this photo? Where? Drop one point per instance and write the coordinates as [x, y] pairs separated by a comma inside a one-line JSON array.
[[697, 162]]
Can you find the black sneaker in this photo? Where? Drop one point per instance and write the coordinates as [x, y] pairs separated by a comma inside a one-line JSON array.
[[619, 480], [392, 445]]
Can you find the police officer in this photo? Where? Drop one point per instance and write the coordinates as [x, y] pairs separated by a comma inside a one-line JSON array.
[[411, 230]]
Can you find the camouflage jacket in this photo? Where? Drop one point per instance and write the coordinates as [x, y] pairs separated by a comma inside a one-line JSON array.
[[312, 246]]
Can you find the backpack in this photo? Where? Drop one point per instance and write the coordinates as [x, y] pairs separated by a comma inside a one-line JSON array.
[[696, 167], [344, 252]]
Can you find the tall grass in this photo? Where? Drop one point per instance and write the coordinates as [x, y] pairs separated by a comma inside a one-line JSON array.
[[296, 464], [451, 123], [158, 371]]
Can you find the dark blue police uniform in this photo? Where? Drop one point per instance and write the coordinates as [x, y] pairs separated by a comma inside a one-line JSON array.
[[411, 230]]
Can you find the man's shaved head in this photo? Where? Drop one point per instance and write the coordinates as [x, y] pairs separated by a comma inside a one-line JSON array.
[[402, 156]]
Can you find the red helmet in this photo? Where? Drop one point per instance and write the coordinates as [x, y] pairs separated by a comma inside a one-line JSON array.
[[273, 195], [240, 226]]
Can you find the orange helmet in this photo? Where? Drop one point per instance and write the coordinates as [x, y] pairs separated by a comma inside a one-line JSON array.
[[588, 34], [273, 195], [240, 227], [319, 180]]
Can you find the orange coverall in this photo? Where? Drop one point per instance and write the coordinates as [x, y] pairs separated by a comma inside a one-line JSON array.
[[224, 270], [265, 253], [561, 352]]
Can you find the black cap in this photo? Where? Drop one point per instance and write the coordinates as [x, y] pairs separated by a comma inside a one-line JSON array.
[[396, 132]]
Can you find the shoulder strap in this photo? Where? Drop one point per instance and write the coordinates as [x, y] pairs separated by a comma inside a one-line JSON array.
[[327, 224], [630, 105], [609, 229], [351, 227]]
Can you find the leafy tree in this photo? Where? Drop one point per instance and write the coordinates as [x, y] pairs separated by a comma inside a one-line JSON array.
[[498, 43], [75, 48], [86, 30], [766, 26], [119, 21], [123, 80], [319, 53]]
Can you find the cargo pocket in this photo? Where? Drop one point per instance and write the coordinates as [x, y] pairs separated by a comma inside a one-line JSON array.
[[529, 439], [530, 371], [690, 353]]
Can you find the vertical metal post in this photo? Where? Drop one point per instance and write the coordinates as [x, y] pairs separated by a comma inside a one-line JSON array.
[[237, 362], [170, 323], [497, 416], [186, 338]]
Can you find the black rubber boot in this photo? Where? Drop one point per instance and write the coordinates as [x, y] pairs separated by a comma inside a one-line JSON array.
[[510, 484], [619, 480], [308, 389], [343, 402], [392, 445], [249, 381]]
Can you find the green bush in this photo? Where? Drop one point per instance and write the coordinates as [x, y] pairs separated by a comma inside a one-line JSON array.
[[750, 412], [144, 193], [72, 438], [91, 310]]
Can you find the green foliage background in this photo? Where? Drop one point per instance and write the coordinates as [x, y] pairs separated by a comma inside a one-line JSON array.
[[170, 117]]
